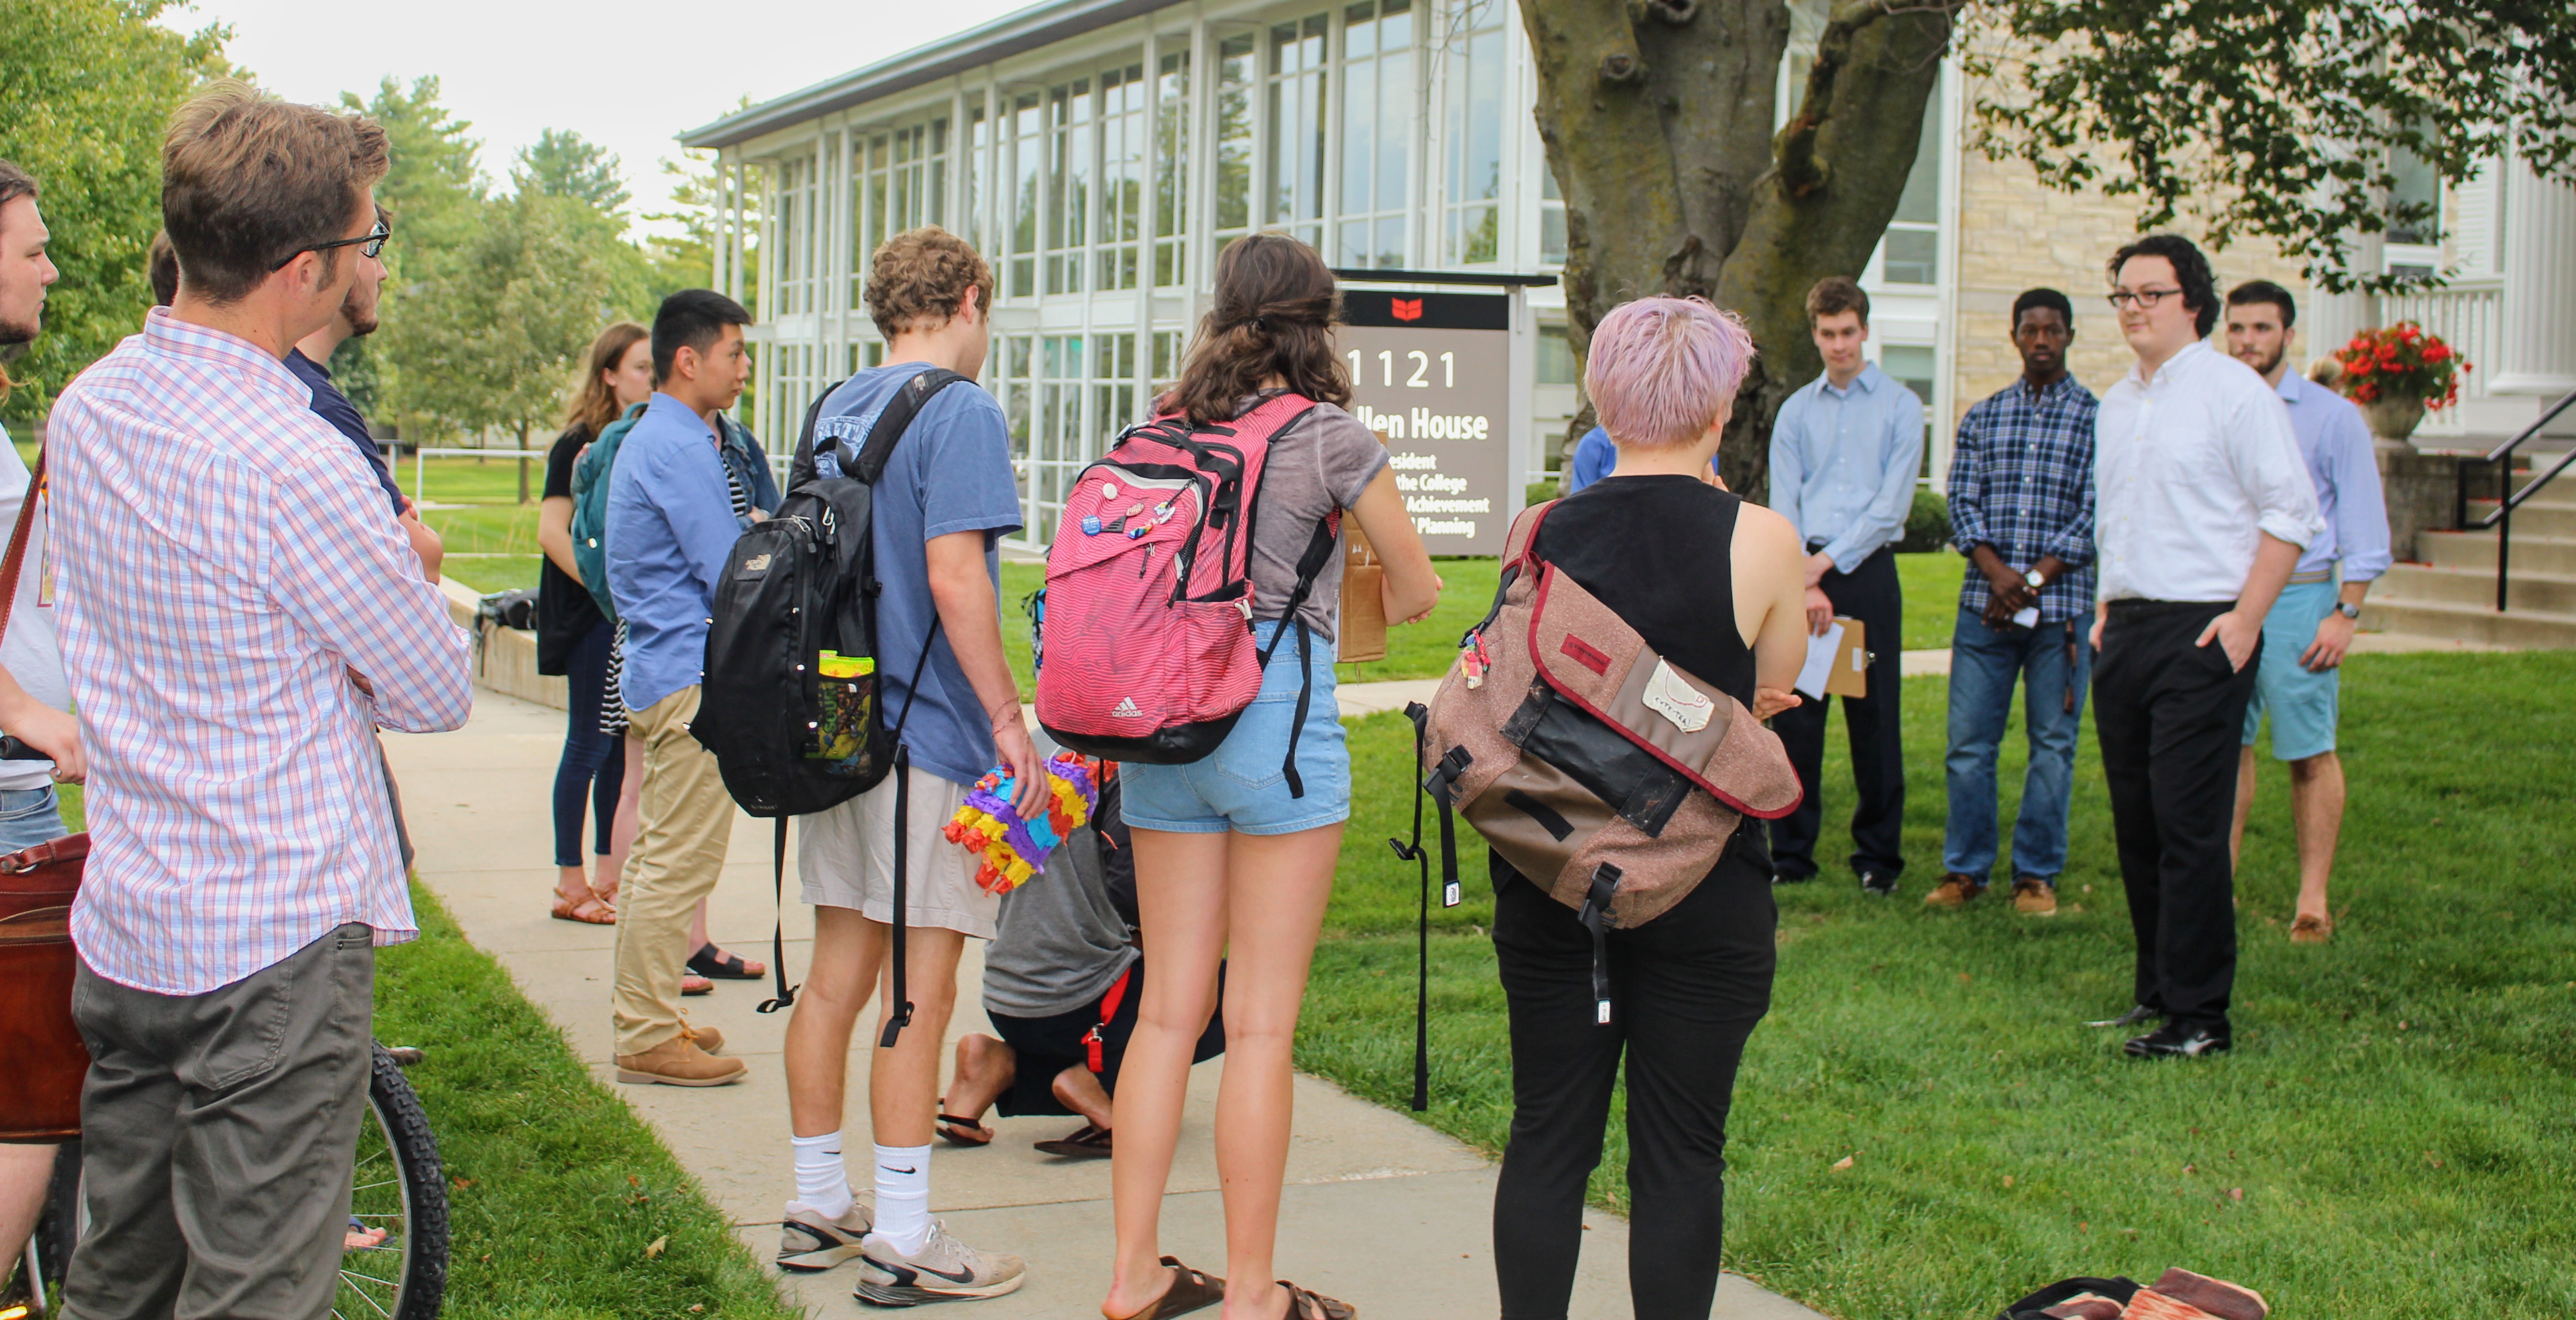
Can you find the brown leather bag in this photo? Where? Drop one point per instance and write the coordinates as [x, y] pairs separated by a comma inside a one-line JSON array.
[[45, 1057]]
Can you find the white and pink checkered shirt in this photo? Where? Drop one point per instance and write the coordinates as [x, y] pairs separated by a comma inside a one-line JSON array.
[[223, 561]]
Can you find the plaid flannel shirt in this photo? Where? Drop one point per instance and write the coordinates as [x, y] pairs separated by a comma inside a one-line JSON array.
[[2021, 480]]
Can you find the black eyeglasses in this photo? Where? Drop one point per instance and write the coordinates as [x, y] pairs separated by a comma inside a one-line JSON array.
[[2143, 297], [368, 244]]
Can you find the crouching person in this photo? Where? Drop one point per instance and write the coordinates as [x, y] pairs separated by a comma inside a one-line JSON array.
[[1656, 949], [1062, 980]]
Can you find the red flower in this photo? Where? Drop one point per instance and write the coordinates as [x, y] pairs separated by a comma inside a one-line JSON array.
[[2357, 366], [2366, 392], [2437, 351]]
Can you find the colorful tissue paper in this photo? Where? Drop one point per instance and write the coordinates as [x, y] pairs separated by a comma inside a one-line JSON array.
[[1014, 849]]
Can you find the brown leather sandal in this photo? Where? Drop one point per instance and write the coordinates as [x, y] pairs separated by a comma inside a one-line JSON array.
[[1191, 1290], [1307, 1304]]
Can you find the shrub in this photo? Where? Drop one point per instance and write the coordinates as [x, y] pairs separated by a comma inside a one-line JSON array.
[[1928, 526]]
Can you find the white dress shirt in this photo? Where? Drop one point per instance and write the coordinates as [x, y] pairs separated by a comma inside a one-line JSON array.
[[2189, 470]]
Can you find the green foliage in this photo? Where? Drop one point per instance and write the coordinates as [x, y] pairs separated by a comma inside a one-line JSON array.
[[686, 260], [434, 192], [1927, 525], [2287, 122], [85, 88], [2396, 1110], [563, 163]]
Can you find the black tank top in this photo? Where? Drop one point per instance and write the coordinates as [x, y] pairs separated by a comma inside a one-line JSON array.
[[1659, 550]]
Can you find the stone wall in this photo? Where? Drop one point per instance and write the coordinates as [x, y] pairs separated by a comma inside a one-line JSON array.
[[507, 660]]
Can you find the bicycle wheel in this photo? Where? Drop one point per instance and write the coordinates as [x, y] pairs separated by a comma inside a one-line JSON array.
[[398, 1190]]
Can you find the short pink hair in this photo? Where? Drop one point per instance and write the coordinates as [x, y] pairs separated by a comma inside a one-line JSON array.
[[1662, 368]]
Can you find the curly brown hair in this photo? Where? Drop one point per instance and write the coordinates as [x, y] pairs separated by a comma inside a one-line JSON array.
[[1273, 317], [918, 279]]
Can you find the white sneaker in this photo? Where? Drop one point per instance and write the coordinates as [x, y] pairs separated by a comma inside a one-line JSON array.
[[944, 1270], [809, 1243]]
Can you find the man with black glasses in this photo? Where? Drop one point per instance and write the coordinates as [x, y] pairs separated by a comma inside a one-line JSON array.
[[2202, 507]]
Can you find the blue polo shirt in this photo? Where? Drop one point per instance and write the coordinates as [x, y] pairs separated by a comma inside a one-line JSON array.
[[332, 406], [670, 529]]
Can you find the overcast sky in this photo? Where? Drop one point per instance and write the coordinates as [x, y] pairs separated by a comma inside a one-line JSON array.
[[629, 76]]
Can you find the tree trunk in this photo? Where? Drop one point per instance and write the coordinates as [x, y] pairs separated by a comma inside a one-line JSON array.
[[1680, 186]]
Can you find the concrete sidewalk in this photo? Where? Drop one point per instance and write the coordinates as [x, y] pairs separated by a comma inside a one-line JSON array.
[[1380, 1211]]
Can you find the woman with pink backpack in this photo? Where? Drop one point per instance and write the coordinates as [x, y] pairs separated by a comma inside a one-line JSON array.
[[1192, 597]]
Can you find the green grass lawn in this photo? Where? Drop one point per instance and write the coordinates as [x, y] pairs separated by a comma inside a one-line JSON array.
[[558, 1193], [2399, 1113]]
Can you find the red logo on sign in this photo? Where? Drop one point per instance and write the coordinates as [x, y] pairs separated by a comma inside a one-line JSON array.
[[1407, 309]]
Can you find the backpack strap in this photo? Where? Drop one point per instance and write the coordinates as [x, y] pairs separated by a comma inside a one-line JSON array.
[[1310, 565], [1444, 777], [1524, 532], [868, 462]]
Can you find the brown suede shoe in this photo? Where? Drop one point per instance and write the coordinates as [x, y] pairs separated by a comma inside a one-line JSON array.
[[2034, 897], [679, 1062], [2311, 930], [707, 1038], [1955, 890]]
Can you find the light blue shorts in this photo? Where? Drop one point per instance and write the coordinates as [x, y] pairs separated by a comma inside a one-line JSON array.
[[29, 816], [1243, 785], [2304, 704]]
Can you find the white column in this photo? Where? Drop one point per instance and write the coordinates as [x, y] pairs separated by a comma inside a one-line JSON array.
[[2537, 351]]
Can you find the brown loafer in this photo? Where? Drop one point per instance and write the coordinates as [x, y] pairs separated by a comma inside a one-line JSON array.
[[2034, 897], [1955, 890], [2311, 930], [679, 1062]]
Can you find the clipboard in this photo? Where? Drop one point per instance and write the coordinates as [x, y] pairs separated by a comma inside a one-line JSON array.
[[1849, 676]]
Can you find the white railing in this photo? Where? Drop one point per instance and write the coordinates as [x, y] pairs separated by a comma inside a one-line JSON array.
[[778, 464], [2468, 316]]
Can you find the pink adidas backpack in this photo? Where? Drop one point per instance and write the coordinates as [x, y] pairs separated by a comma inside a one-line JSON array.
[[1147, 640]]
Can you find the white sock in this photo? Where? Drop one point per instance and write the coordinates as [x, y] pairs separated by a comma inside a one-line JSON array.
[[822, 1181], [903, 1196]]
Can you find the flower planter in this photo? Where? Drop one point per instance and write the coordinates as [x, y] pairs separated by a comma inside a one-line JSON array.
[[2393, 417]]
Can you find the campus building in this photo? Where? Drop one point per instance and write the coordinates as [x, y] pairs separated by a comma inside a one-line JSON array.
[[1102, 151]]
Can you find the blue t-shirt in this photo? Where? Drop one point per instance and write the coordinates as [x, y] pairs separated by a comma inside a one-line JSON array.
[[950, 473], [332, 406], [1594, 457]]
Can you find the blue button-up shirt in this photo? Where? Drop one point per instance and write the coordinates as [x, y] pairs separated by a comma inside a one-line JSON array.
[[2021, 480], [1595, 456], [670, 528], [2345, 467], [1843, 464]]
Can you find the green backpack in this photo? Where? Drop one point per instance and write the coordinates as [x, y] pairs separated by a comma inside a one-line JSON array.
[[590, 508]]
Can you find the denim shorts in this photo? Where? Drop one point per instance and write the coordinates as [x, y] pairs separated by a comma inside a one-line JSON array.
[[1243, 785], [2304, 704], [29, 816]]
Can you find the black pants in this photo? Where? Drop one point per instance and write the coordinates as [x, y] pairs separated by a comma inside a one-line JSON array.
[[1686, 990], [2171, 717], [1868, 593]]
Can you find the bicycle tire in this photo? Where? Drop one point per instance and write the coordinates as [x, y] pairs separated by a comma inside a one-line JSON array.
[[423, 1184]]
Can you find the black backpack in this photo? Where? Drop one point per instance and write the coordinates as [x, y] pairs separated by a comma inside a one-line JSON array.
[[789, 702]]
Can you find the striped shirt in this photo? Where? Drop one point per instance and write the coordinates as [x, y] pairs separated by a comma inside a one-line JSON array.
[[2021, 480], [223, 567]]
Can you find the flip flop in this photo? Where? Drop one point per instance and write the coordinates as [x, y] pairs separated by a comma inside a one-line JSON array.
[[1307, 1304], [696, 985], [730, 967], [1089, 1143], [1191, 1290], [601, 913], [948, 1123]]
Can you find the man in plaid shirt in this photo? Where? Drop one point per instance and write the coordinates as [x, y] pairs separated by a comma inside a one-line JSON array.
[[2021, 510]]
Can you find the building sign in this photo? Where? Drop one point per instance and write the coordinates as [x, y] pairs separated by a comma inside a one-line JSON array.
[[1431, 373]]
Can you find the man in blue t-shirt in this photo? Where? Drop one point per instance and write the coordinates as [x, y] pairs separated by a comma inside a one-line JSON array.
[[944, 501]]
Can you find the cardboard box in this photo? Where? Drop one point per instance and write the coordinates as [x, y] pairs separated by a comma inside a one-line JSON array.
[[1363, 622]]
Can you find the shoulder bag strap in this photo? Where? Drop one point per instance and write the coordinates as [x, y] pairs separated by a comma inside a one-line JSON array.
[[16, 559]]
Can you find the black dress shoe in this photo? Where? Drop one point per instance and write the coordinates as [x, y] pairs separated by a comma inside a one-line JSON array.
[[1881, 884], [1791, 877], [2173, 1040], [2137, 1014]]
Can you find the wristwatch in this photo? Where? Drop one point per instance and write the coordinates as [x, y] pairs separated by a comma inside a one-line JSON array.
[[2347, 609], [2034, 579]]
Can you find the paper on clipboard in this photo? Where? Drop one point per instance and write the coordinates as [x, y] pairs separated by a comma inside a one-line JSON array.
[[1821, 650]]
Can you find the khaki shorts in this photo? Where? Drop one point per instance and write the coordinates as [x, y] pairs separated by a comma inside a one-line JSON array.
[[845, 859]]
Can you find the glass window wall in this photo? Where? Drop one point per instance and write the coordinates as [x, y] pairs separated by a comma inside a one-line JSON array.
[[1172, 170], [1377, 133], [1296, 138], [1471, 223]]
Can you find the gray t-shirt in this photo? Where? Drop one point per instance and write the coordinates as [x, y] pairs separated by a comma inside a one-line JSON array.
[[1061, 942], [1318, 463]]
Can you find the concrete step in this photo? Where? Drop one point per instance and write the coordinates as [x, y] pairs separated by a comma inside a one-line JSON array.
[[2537, 629], [2545, 514], [2554, 555], [2420, 584]]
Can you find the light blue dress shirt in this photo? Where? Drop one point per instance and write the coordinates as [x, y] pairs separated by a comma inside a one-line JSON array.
[[2343, 463], [670, 529], [1844, 463]]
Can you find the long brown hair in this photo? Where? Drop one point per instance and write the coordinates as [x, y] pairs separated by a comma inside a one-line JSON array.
[[594, 404], [1273, 316]]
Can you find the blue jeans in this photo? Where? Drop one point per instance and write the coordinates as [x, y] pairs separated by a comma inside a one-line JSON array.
[[592, 771], [1984, 663], [29, 816]]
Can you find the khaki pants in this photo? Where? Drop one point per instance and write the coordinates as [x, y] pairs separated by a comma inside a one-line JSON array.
[[687, 824], [219, 1131]]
